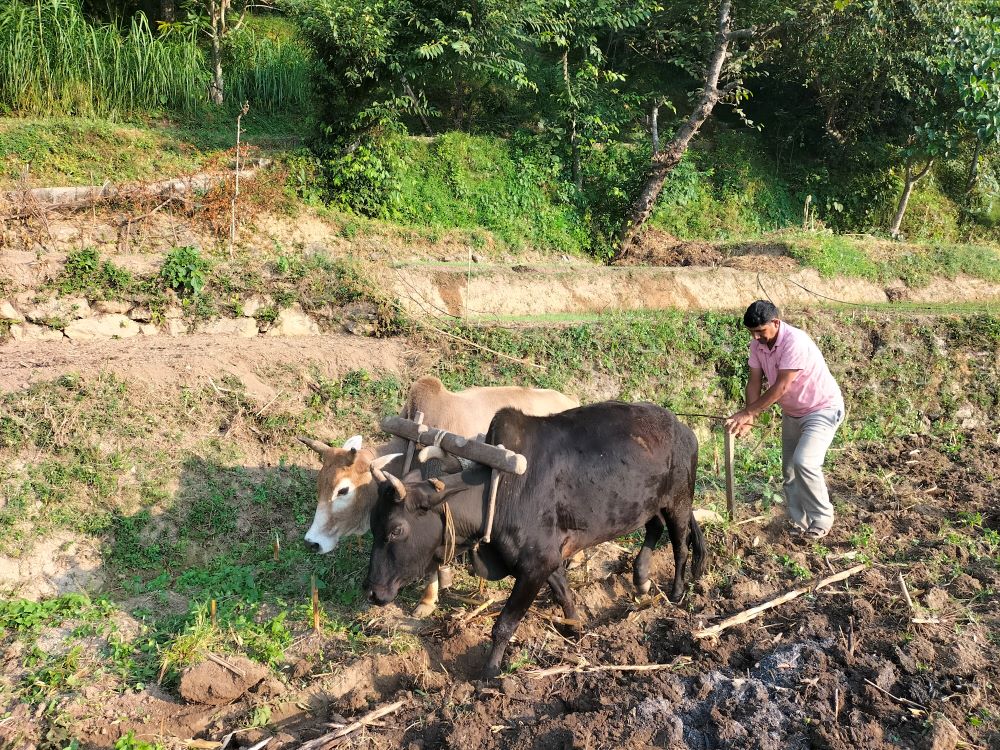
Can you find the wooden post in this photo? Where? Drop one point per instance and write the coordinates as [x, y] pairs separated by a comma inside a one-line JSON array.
[[494, 484], [418, 417], [212, 610], [277, 547], [730, 489]]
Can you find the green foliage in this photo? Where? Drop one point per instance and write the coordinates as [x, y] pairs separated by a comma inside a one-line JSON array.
[[726, 189], [23, 616], [55, 61], [832, 254], [85, 273], [461, 182], [797, 570], [128, 741], [271, 71], [366, 178], [184, 270]]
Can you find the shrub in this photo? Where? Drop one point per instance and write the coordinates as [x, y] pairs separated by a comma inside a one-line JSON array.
[[184, 270]]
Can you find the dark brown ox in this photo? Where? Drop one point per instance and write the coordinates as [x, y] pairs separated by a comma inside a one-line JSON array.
[[594, 474], [345, 491]]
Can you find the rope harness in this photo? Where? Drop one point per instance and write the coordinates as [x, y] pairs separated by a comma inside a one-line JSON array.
[[449, 535], [449, 542]]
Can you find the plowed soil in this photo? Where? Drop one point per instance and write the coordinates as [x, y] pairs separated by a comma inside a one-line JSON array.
[[844, 667]]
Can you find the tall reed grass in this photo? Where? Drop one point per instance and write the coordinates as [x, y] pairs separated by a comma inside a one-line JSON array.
[[269, 73], [54, 61]]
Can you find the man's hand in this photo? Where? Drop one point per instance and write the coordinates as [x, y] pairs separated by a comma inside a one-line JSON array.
[[740, 423]]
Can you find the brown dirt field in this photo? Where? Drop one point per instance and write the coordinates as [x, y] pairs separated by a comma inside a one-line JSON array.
[[801, 676], [845, 667]]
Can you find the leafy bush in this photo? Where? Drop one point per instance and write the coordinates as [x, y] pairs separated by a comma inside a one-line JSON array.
[[184, 270], [86, 273]]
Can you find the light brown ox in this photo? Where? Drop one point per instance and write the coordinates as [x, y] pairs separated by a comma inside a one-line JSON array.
[[345, 490]]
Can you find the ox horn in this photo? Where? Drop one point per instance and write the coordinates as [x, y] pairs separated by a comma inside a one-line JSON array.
[[431, 451], [317, 445], [398, 486], [376, 466]]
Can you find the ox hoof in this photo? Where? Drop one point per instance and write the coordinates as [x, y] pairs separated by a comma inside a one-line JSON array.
[[423, 610], [644, 587]]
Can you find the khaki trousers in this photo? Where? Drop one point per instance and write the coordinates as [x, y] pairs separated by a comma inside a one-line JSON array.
[[804, 443]]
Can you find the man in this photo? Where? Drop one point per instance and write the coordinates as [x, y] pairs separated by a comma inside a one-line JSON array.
[[812, 408]]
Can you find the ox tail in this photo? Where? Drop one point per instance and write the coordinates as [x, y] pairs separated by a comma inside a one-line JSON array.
[[696, 543]]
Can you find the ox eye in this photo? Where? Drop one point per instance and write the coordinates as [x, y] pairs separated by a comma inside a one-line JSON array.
[[395, 533], [343, 491]]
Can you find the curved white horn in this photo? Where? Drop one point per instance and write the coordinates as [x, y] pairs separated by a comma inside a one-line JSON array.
[[400, 489], [385, 460], [316, 445], [431, 451], [376, 466]]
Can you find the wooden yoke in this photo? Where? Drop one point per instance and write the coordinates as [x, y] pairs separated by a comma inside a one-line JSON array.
[[494, 456]]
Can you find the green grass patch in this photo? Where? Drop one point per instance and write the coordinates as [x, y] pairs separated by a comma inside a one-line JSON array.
[[67, 151], [724, 188], [459, 181], [834, 255]]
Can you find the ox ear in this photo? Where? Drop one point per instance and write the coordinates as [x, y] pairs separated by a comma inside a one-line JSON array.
[[320, 447], [353, 443], [441, 492]]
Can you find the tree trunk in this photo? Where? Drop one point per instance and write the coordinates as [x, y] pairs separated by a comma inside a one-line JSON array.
[[668, 158], [574, 142], [216, 14], [417, 106], [974, 167], [574, 145], [654, 128], [910, 180]]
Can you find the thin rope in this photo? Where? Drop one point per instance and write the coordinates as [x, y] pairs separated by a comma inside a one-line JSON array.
[[449, 536]]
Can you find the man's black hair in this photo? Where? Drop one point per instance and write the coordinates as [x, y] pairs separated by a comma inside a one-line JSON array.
[[759, 313]]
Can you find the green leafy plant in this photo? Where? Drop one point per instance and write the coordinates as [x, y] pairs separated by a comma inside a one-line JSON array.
[[184, 270], [85, 272]]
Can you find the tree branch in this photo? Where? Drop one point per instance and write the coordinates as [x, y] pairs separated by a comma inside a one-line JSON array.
[[741, 34]]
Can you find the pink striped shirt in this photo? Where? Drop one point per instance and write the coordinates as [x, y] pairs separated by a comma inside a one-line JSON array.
[[814, 388]]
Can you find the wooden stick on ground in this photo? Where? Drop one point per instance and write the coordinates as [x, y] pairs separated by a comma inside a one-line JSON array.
[[223, 663], [585, 668], [906, 592], [753, 612], [334, 738], [898, 699], [477, 611]]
